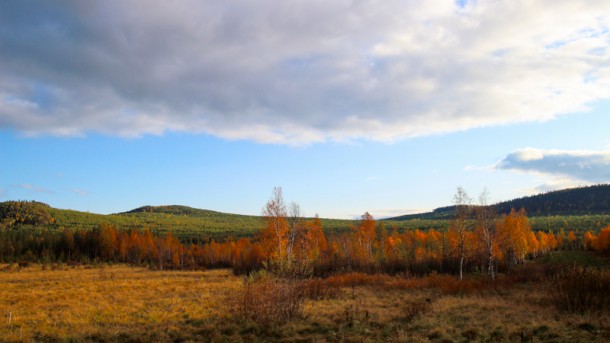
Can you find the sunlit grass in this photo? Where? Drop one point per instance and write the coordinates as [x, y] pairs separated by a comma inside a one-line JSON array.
[[108, 301], [121, 303]]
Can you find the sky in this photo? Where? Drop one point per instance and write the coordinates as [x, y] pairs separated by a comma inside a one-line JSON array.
[[349, 106]]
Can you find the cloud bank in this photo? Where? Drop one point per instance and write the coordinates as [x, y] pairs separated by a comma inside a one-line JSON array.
[[297, 72], [565, 167]]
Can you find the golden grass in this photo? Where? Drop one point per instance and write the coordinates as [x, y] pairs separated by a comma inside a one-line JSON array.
[[522, 313], [120, 303], [109, 301]]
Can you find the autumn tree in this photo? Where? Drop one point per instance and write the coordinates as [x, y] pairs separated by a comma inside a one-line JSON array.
[[246, 256], [108, 243], [572, 239], [486, 217], [68, 242], [296, 230], [601, 243], [588, 240], [392, 248], [364, 237], [315, 238], [24, 212], [513, 233], [460, 225], [274, 237]]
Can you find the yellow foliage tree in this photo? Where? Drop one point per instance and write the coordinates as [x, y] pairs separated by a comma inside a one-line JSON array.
[[274, 238], [514, 233]]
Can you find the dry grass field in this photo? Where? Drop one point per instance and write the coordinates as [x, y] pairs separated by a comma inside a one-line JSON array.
[[110, 303], [122, 303]]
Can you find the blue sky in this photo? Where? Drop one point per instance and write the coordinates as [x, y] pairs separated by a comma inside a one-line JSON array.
[[381, 107]]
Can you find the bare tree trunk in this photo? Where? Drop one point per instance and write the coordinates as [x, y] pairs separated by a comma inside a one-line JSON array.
[[461, 266], [486, 218], [443, 249], [490, 264], [295, 227]]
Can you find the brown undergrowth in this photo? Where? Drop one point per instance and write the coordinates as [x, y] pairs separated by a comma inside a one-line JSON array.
[[581, 290]]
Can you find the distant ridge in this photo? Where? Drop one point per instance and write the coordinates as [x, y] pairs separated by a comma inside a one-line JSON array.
[[567, 202], [177, 210]]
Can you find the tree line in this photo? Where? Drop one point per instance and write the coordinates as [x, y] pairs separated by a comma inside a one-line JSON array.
[[476, 240]]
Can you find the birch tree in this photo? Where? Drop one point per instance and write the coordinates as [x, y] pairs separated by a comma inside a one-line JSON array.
[[486, 216], [460, 225]]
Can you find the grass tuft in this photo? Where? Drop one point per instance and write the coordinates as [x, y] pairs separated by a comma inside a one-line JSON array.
[[413, 310]]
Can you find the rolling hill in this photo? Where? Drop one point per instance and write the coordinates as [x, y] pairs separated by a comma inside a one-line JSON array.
[[184, 222], [581, 201], [585, 208]]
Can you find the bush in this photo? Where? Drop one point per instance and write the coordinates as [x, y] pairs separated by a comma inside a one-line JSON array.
[[446, 284], [581, 290], [289, 269], [318, 289], [268, 300], [358, 279]]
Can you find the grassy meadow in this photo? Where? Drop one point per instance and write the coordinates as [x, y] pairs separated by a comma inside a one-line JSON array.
[[121, 303]]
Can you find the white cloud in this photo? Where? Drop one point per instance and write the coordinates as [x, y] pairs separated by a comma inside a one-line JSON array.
[[297, 72], [35, 188], [80, 192], [564, 168], [528, 154]]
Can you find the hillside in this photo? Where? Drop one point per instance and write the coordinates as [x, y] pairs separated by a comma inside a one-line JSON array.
[[585, 208], [176, 210], [184, 222], [581, 201], [225, 224], [574, 201]]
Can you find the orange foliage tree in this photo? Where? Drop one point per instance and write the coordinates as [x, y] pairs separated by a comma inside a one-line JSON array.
[[364, 237], [601, 243], [514, 232]]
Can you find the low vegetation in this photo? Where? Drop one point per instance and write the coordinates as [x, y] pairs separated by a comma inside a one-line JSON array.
[[582, 290], [109, 303], [122, 303]]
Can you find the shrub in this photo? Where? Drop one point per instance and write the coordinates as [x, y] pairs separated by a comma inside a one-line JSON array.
[[445, 284], [318, 289], [358, 279], [531, 272], [267, 300], [581, 290]]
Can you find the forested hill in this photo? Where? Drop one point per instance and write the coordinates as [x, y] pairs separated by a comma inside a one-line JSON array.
[[573, 201], [183, 221], [178, 210]]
